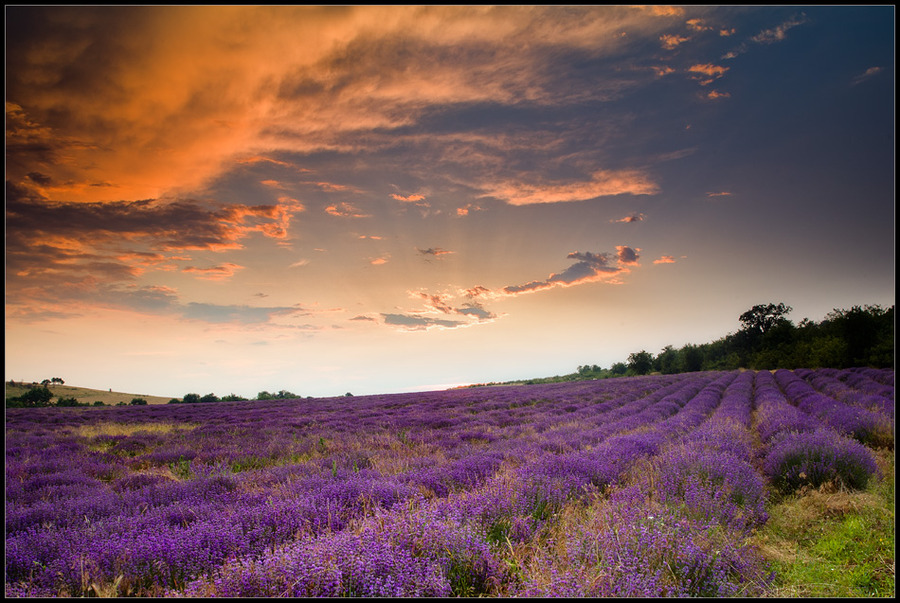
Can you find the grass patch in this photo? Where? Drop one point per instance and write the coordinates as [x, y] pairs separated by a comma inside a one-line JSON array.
[[127, 429], [832, 542]]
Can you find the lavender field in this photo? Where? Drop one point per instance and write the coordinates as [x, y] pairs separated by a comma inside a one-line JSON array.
[[638, 486]]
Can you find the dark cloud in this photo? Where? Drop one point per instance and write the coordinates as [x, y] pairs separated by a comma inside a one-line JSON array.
[[418, 323], [590, 267], [477, 311], [443, 304], [627, 255], [39, 178], [433, 251], [69, 252]]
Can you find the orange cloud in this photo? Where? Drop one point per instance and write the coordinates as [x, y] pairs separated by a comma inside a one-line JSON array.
[[603, 183], [214, 273], [720, 194], [715, 94], [663, 11], [697, 25], [169, 98], [708, 69], [345, 210], [665, 259], [409, 198], [631, 218], [671, 41]]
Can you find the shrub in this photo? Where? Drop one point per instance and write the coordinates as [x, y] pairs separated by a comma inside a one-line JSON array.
[[815, 458]]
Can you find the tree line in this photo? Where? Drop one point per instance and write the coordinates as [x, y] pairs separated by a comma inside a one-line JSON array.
[[767, 339]]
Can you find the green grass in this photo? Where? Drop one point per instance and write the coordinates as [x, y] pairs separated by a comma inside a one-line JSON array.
[[834, 543]]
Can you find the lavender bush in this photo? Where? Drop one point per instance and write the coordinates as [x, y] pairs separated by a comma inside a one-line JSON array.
[[817, 457]]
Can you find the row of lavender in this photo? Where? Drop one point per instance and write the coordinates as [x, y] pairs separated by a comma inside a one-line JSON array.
[[402, 494]]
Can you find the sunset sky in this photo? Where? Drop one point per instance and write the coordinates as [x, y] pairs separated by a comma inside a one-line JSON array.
[[386, 199]]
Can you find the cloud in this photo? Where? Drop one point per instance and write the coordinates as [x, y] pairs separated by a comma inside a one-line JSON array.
[[779, 33], [627, 255], [444, 304], [866, 75], [411, 322], [590, 267], [214, 273], [217, 314], [697, 25], [363, 318], [665, 259], [345, 210], [709, 69], [153, 102], [631, 218], [711, 73], [408, 198], [662, 11], [468, 207], [433, 251], [715, 95], [663, 70], [603, 183], [766, 36], [672, 41], [378, 261], [719, 194], [71, 253]]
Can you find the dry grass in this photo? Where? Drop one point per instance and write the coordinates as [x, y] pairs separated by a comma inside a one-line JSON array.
[[127, 429], [833, 542], [88, 396]]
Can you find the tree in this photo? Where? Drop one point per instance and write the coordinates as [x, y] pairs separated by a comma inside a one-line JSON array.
[[36, 396], [618, 368], [191, 398], [668, 361], [210, 398], [138, 402], [761, 318], [640, 363]]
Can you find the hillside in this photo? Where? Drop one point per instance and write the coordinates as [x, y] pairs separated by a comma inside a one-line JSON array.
[[85, 394]]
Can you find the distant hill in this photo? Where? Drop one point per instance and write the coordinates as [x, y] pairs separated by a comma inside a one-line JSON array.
[[84, 394]]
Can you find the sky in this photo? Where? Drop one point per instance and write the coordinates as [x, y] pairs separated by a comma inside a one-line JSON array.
[[384, 199]]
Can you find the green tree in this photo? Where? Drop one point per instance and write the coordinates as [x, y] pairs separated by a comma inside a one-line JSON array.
[[138, 402], [209, 398], [191, 398], [36, 396], [761, 318], [640, 363], [668, 361]]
